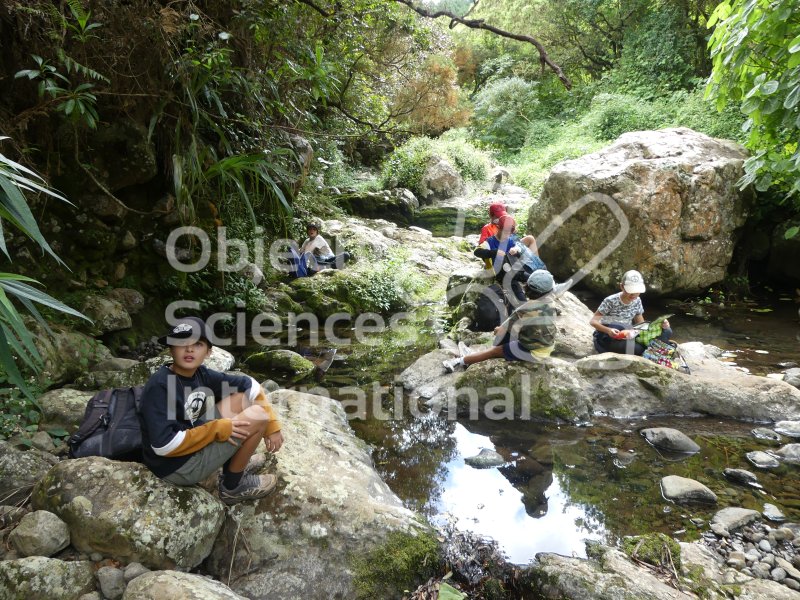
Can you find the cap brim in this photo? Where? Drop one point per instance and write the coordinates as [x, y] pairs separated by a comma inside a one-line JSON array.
[[635, 288]]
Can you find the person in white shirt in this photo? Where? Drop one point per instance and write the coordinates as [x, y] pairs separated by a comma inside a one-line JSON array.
[[315, 254]]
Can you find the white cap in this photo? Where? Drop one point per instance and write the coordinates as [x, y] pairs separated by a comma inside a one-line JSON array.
[[633, 282]]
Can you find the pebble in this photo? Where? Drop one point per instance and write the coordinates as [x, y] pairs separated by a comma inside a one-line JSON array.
[[762, 460], [133, 570], [762, 433], [791, 584], [773, 513], [764, 546], [112, 582], [761, 570], [95, 557]]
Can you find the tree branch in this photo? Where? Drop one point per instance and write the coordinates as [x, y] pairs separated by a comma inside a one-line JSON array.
[[544, 59]]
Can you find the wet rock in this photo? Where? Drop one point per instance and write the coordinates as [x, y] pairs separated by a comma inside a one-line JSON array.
[[112, 582], [40, 578], [683, 489], [158, 585], [788, 428], [671, 440], [773, 513], [485, 459], [762, 460], [792, 377], [398, 205], [40, 533], [20, 471], [762, 433], [121, 509], [789, 453], [281, 361], [742, 476], [733, 518]]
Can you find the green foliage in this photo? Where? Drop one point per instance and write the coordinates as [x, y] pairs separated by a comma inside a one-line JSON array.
[[503, 111], [656, 55], [755, 48], [541, 132], [407, 164], [612, 115], [19, 413], [401, 563], [15, 338], [693, 111]]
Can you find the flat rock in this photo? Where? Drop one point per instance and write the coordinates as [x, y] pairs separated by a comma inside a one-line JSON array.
[[158, 585], [788, 428], [742, 476], [773, 513], [789, 453], [762, 433], [763, 460], [683, 489], [671, 440], [733, 518]]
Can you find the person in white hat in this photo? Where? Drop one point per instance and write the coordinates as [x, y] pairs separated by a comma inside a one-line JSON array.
[[617, 314]]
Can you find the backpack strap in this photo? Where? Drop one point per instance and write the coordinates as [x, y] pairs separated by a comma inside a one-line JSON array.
[[97, 415]]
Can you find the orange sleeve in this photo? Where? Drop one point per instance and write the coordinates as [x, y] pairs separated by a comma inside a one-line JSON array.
[[197, 438], [273, 425]]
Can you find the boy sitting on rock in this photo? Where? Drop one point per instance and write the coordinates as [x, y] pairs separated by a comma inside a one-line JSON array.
[[529, 333], [195, 420]]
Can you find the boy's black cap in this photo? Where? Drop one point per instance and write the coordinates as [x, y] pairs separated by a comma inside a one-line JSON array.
[[187, 330]]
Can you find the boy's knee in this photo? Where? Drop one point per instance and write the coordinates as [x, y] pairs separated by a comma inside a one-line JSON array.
[[257, 415]]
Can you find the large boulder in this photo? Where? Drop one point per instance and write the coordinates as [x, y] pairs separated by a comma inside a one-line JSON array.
[[40, 578], [20, 471], [674, 190], [122, 510], [398, 205], [615, 385], [63, 408], [66, 354], [331, 508], [441, 180], [158, 585]]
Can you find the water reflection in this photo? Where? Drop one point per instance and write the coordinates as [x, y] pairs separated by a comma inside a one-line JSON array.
[[486, 502]]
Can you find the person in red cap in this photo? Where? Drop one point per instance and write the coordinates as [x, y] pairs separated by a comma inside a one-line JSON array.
[[496, 210]]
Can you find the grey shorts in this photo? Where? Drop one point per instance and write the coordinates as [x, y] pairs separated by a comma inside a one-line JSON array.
[[204, 462]]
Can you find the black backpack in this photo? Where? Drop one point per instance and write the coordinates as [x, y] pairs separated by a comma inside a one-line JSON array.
[[491, 309], [110, 426]]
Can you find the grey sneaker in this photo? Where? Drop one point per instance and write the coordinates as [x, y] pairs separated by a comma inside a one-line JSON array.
[[251, 487], [452, 365]]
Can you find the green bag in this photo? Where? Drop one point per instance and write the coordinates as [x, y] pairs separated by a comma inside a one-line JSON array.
[[650, 331]]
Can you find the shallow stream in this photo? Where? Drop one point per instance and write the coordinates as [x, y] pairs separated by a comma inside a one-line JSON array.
[[562, 484]]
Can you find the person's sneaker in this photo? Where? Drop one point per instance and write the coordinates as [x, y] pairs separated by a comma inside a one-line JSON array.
[[251, 487], [452, 365]]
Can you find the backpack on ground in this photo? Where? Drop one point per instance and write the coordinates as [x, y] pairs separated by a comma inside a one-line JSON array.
[[110, 426], [667, 355], [491, 309]]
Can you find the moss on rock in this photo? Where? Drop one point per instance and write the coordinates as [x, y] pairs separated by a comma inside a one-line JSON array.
[[283, 361], [401, 563], [654, 548]]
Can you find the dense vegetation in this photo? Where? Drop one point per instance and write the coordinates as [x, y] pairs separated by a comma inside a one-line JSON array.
[[208, 109]]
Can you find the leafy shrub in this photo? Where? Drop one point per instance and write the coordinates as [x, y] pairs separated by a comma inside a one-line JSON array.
[[541, 133], [701, 115], [612, 115], [407, 164], [503, 112]]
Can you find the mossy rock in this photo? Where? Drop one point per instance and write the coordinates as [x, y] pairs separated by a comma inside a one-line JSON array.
[[283, 361], [442, 220], [655, 549], [402, 563]]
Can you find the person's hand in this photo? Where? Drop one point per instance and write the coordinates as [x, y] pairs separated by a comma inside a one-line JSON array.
[[500, 252], [239, 430], [613, 332], [514, 251], [274, 441], [665, 324]]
